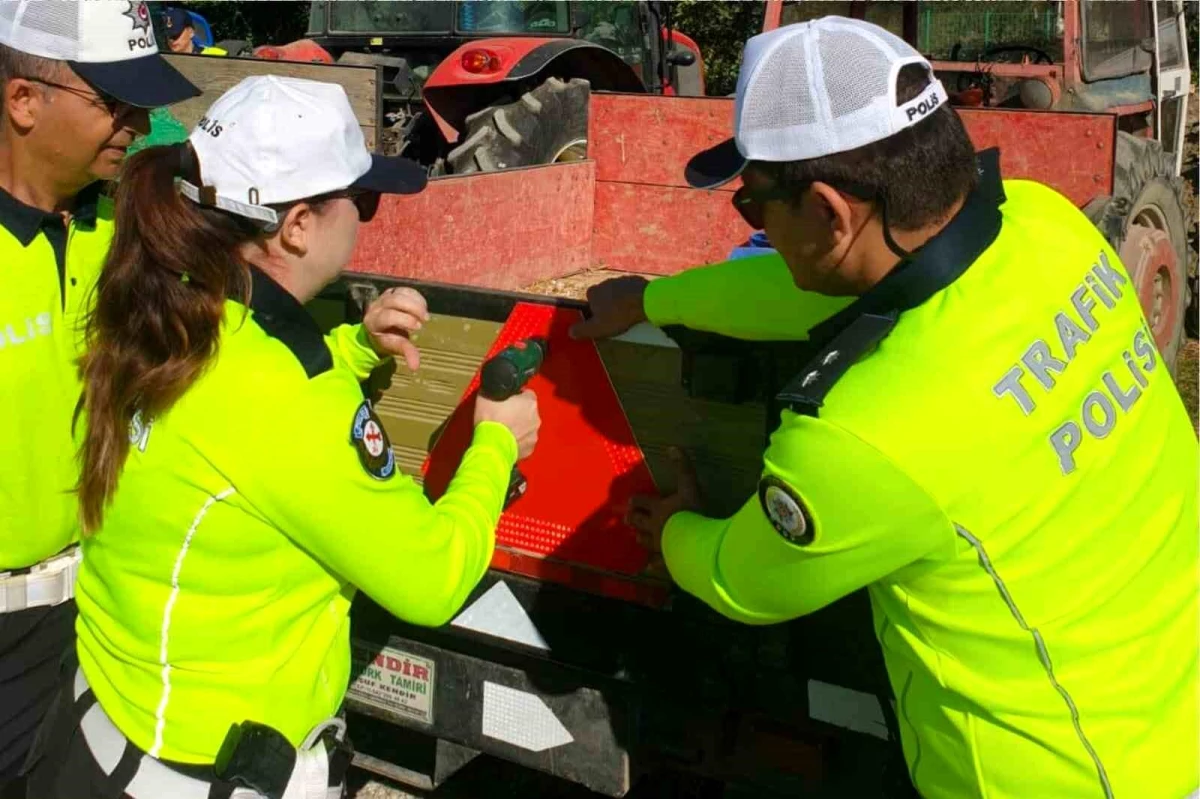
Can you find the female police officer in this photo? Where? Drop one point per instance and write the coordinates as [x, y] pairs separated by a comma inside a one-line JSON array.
[[236, 486]]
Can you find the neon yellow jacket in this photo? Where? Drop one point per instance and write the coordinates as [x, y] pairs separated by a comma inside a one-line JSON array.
[[41, 320], [218, 587], [1033, 571]]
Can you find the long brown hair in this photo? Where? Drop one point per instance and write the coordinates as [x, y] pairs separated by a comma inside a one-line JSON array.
[[158, 308]]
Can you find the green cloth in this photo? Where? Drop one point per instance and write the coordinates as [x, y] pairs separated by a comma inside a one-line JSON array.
[[164, 129]]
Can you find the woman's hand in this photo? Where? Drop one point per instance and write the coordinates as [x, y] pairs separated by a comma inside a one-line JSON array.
[[518, 413], [389, 321]]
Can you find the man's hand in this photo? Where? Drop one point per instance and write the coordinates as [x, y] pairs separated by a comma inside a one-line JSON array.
[[649, 515], [391, 319], [616, 306]]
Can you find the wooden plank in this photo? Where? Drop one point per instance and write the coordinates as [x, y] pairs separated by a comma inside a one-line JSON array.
[[725, 441], [648, 140], [500, 230], [215, 75], [414, 405], [662, 230]]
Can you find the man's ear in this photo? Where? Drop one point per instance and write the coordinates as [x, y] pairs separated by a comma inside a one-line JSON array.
[[22, 103], [295, 234], [837, 212]]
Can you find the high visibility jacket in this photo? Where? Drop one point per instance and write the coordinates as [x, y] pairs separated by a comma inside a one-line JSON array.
[[212, 51], [1012, 474], [47, 272], [218, 587]]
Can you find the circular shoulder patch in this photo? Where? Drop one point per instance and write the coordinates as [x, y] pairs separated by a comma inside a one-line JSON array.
[[785, 511], [371, 443]]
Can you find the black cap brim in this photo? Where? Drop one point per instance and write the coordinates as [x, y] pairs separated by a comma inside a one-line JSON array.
[[715, 167], [392, 175], [146, 82]]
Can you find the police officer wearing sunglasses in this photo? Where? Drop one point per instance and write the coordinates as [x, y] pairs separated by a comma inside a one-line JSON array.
[[985, 436], [76, 81], [237, 489]]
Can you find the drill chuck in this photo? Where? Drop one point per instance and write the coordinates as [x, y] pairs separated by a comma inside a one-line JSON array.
[[507, 372]]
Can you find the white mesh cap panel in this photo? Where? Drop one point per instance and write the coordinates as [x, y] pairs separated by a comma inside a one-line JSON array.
[[822, 87], [46, 28], [859, 79], [783, 73], [90, 31]]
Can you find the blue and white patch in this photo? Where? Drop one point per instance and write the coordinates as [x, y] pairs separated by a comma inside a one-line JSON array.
[[371, 443], [785, 511]]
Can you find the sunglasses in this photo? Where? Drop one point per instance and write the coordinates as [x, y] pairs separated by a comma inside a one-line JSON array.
[[365, 201], [111, 105], [749, 203]]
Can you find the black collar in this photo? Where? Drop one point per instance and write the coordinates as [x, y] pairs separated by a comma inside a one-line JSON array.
[[852, 332], [25, 221], [282, 317], [937, 263]]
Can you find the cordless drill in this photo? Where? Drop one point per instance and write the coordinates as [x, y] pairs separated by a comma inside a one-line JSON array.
[[503, 376]]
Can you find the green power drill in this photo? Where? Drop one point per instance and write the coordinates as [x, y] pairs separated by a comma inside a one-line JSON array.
[[503, 376]]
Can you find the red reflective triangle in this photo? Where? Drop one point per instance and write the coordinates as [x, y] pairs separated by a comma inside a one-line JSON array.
[[586, 468]]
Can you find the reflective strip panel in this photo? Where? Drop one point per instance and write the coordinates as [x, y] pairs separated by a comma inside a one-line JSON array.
[[1043, 654], [161, 714]]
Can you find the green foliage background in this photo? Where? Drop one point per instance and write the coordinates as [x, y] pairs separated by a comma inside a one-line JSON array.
[[721, 29]]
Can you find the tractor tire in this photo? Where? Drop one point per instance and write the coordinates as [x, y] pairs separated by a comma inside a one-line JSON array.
[[544, 126], [1146, 222]]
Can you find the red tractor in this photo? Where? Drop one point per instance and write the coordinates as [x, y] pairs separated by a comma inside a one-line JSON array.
[[492, 84]]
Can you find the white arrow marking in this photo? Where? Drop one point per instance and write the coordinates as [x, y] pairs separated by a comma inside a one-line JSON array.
[[844, 707], [498, 613], [521, 719]]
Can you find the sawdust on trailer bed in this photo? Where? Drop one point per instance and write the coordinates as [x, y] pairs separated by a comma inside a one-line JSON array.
[[574, 287]]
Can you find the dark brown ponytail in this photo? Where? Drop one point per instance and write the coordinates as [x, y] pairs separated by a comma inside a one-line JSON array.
[[157, 313]]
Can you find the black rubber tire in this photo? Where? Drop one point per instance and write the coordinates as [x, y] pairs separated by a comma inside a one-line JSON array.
[[1142, 178], [546, 124]]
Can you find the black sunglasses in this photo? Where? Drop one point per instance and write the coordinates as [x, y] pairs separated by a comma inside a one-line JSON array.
[[365, 200], [749, 203], [99, 99]]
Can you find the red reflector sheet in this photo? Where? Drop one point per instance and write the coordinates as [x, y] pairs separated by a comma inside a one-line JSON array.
[[568, 527]]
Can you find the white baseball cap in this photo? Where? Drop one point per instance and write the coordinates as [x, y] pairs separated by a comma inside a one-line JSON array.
[[272, 139], [814, 89], [108, 43]]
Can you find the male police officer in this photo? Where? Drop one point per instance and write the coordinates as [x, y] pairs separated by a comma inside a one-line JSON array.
[[75, 80], [986, 436], [181, 34]]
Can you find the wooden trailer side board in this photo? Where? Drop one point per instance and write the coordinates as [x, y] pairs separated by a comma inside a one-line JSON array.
[[499, 230], [647, 218], [215, 75]]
